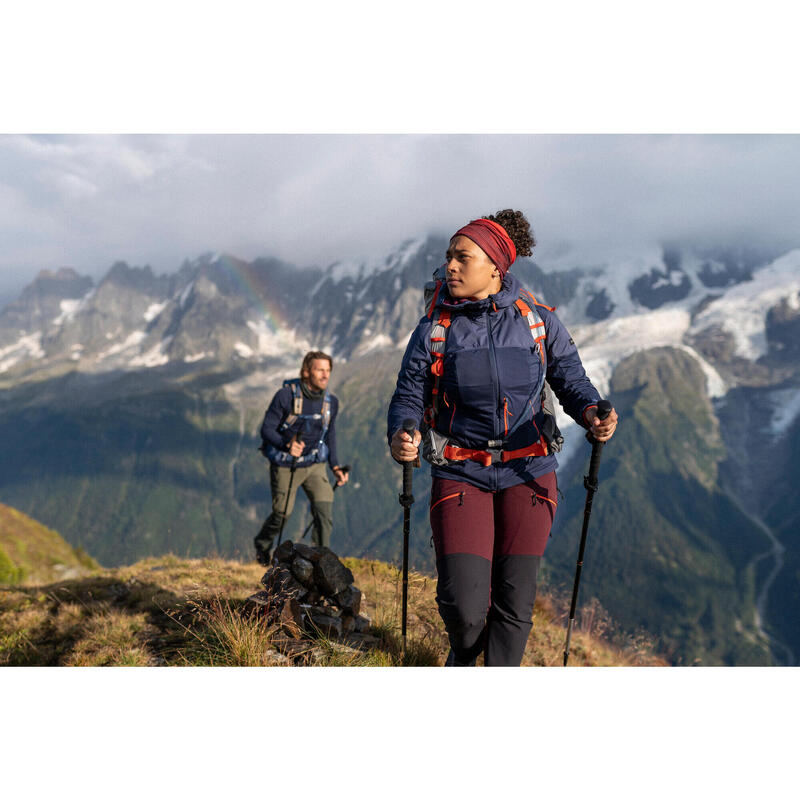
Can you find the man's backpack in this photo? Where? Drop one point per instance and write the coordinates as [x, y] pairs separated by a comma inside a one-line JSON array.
[[315, 451]]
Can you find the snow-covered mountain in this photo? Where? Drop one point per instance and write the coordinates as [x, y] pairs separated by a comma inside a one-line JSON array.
[[218, 308]]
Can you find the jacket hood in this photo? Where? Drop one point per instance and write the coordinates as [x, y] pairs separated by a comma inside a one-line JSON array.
[[507, 295]]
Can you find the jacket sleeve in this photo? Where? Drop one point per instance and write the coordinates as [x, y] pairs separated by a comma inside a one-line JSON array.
[[413, 381], [565, 373], [276, 413], [330, 436]]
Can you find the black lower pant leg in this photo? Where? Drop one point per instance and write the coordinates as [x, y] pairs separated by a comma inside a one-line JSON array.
[[509, 619], [462, 594]]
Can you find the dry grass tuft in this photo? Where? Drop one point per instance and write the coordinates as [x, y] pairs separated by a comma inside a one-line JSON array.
[[111, 638], [221, 636]]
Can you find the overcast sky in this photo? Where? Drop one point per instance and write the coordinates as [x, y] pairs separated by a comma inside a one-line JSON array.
[[86, 201]]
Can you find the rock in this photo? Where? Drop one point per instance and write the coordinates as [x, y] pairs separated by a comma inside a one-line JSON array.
[[323, 624], [331, 611], [293, 648], [279, 580], [330, 575], [284, 552], [317, 656], [361, 640], [268, 578], [363, 621], [291, 618], [322, 609], [260, 603], [279, 658], [345, 650], [303, 570], [311, 554], [349, 598], [313, 597], [348, 622]]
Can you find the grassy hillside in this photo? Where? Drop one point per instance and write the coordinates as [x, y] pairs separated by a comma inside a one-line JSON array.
[[172, 611], [30, 552]]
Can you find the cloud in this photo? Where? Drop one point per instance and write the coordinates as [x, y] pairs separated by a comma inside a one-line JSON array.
[[86, 201]]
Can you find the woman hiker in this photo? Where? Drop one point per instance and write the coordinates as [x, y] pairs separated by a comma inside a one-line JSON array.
[[474, 370]]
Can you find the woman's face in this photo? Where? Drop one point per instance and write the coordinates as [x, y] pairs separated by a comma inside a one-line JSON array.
[[470, 273]]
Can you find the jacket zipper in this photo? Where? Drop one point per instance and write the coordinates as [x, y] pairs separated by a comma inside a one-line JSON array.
[[495, 373], [506, 414], [452, 414], [496, 384]]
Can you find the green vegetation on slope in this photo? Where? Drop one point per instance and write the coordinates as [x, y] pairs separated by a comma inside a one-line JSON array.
[[667, 551], [31, 552], [128, 470]]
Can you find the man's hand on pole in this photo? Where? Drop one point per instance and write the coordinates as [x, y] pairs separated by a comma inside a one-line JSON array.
[[342, 475], [296, 448]]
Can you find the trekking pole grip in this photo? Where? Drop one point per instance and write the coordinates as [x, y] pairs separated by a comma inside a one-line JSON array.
[[407, 497], [603, 410], [298, 437]]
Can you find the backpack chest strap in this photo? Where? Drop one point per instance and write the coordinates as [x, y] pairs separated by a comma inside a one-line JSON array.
[[297, 410]]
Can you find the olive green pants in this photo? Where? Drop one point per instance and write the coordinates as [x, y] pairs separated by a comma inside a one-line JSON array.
[[318, 489]]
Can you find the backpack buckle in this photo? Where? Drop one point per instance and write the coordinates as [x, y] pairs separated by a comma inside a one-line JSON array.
[[496, 454]]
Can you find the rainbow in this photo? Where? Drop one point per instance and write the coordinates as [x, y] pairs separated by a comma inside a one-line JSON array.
[[251, 283]]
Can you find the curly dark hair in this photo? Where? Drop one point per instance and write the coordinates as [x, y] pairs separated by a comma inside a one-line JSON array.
[[517, 227]]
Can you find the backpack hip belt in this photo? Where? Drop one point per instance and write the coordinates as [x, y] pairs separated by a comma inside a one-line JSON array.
[[437, 450], [494, 455]]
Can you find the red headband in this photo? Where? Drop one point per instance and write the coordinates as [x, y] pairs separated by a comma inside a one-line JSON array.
[[492, 238]]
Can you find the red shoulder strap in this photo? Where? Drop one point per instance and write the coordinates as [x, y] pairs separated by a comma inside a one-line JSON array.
[[435, 298], [535, 301]]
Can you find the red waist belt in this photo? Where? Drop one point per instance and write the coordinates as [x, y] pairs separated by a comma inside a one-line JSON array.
[[489, 457]]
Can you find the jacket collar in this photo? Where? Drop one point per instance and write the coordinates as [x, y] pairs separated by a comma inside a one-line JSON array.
[[507, 295]]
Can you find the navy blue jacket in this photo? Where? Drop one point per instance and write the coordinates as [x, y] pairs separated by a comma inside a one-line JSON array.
[[281, 407], [491, 369]]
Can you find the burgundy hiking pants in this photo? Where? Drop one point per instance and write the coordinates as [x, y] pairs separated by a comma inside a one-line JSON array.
[[488, 549]]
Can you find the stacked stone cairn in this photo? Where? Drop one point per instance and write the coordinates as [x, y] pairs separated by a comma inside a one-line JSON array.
[[309, 593]]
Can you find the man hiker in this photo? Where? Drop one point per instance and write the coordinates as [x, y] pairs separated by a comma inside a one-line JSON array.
[[299, 438]]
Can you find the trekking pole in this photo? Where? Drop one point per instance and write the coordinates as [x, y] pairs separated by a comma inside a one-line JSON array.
[[406, 500], [297, 438], [345, 468], [590, 483]]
